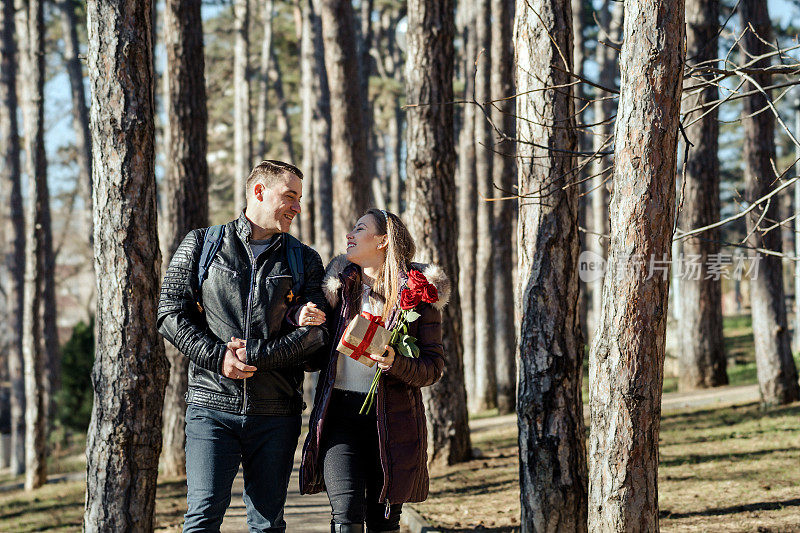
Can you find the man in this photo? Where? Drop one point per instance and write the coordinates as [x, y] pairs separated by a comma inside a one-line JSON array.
[[236, 321]]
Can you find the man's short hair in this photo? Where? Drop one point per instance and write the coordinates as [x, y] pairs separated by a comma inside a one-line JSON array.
[[268, 171]]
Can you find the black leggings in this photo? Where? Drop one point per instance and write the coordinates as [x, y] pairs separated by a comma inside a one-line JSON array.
[[352, 467]]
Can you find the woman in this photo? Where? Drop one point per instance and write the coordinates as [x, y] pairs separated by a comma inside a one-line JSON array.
[[371, 464]]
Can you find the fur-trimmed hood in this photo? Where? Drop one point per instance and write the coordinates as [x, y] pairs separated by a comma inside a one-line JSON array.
[[433, 273]]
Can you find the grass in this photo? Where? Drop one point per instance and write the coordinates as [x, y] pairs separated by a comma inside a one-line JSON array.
[[739, 349], [731, 469]]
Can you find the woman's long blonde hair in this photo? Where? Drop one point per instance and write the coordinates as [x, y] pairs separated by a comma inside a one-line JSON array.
[[400, 249]]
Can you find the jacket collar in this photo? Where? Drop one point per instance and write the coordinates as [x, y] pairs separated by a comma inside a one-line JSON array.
[[245, 230]]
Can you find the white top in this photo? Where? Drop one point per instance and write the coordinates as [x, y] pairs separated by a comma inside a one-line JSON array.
[[350, 374]]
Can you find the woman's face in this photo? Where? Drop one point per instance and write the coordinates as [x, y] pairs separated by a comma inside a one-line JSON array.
[[364, 246]]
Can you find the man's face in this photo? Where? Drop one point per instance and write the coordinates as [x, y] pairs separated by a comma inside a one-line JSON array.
[[275, 207]]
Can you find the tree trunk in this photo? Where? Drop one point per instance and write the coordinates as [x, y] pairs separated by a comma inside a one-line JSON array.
[[467, 201], [550, 410], [485, 396], [504, 170], [431, 208], [80, 113], [626, 365], [395, 157], [317, 127], [11, 183], [578, 57], [263, 80], [186, 180], [702, 354], [777, 374], [351, 194], [283, 123], [38, 311], [605, 57], [242, 144], [130, 369]]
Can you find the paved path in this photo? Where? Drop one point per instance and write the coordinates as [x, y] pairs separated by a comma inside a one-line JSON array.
[[670, 402]]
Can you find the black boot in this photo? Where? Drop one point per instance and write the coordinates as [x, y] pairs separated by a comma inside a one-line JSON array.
[[347, 528]]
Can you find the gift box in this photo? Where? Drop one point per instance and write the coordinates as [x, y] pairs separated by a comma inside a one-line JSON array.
[[364, 336]]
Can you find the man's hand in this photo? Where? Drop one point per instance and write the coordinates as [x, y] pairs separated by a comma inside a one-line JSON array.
[[232, 366], [311, 315]]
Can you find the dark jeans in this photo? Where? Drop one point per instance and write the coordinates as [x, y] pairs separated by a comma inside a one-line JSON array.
[[216, 443], [352, 467]]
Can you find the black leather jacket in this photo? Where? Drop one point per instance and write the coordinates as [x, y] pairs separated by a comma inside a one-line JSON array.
[[248, 302]]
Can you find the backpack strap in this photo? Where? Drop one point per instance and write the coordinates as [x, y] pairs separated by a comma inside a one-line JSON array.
[[211, 245], [294, 253]]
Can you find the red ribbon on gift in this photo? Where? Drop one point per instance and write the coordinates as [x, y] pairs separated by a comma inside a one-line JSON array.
[[361, 349]]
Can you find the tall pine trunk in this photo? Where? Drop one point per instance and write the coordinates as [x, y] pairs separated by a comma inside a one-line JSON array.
[[777, 374], [186, 179], [503, 171], [467, 200], [316, 127], [263, 80], [38, 342], [626, 365], [431, 208], [242, 142], [11, 183], [130, 369], [485, 396], [282, 122], [702, 354], [80, 113], [351, 193], [550, 410], [609, 20], [466, 195]]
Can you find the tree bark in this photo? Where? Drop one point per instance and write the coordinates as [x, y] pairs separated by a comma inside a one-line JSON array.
[[351, 193], [550, 410], [777, 374], [130, 370], [316, 128], [702, 360], [186, 180], [503, 170], [242, 149], [263, 79], [80, 113], [38, 341], [431, 208], [11, 183], [467, 200], [485, 396], [626, 365]]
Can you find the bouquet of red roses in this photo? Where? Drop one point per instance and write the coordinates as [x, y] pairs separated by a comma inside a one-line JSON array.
[[416, 291]]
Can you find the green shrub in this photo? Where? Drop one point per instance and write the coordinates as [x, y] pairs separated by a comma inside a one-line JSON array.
[[74, 399]]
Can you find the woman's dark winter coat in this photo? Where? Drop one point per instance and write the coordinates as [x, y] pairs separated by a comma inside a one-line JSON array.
[[400, 414]]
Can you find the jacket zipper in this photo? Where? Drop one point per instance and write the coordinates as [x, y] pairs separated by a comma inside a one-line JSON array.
[[248, 315]]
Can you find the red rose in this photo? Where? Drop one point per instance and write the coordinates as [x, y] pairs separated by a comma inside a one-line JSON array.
[[429, 294], [410, 299], [416, 280]]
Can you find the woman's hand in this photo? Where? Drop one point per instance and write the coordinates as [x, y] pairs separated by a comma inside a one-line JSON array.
[[310, 315], [386, 360]]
